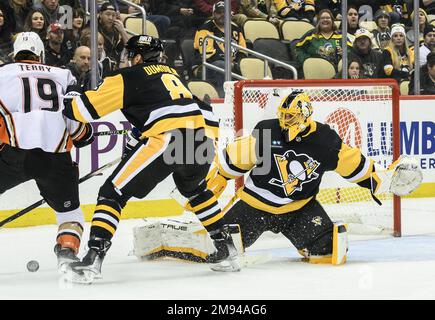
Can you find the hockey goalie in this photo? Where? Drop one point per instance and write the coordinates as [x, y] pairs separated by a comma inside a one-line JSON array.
[[284, 159]]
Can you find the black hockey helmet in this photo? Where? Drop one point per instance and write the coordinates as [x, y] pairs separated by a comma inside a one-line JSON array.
[[148, 47]]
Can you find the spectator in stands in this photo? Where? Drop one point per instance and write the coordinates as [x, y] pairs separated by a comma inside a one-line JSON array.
[[354, 69], [427, 77], [423, 21], [333, 5], [36, 22], [112, 30], [161, 21], [352, 20], [15, 12], [72, 36], [5, 37], [397, 10], [205, 8], [428, 6], [183, 21], [54, 55], [429, 43], [353, 26], [370, 59], [263, 9], [397, 58], [75, 4], [51, 10], [324, 41], [382, 35], [215, 51], [80, 66], [296, 9], [105, 64]]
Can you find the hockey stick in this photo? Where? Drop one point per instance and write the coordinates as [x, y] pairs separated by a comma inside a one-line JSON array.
[[110, 133], [94, 173]]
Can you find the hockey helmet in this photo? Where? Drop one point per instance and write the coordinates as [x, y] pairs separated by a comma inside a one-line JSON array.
[[294, 113], [150, 48], [29, 42]]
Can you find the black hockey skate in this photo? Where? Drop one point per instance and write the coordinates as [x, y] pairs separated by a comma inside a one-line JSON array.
[[65, 256], [225, 258], [89, 268]]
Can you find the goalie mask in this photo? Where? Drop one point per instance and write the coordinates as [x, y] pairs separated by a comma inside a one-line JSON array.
[[294, 114], [150, 48]]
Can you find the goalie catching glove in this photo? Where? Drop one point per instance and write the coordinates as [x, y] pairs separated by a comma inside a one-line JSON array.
[[401, 178]]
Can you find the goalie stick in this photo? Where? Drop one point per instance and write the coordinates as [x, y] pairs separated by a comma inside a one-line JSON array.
[[94, 173]]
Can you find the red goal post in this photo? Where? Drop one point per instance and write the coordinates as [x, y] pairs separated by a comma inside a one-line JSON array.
[[365, 113]]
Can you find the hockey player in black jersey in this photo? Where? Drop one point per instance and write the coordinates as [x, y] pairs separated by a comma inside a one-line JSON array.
[[152, 97], [285, 170]]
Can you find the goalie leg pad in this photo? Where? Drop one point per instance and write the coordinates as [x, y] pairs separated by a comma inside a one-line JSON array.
[[339, 248], [182, 238], [339, 243]]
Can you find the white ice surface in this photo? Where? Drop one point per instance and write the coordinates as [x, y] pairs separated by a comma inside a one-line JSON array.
[[379, 267]]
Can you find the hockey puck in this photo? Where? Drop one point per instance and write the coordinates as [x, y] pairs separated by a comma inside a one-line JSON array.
[[32, 265]]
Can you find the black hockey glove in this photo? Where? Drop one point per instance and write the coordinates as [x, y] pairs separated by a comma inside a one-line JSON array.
[[134, 139]]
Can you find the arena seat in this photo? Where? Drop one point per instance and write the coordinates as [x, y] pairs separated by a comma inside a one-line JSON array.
[[254, 29], [134, 24], [318, 68], [253, 68], [201, 88], [294, 29], [404, 88]]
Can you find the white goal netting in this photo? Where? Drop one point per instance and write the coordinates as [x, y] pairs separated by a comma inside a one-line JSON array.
[[362, 113]]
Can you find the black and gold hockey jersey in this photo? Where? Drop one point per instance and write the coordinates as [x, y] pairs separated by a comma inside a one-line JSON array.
[[216, 50], [150, 95], [300, 9], [284, 176]]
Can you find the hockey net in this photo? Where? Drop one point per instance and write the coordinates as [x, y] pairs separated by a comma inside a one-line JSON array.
[[365, 113]]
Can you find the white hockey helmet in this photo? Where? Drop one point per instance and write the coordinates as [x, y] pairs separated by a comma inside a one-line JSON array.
[[29, 41]]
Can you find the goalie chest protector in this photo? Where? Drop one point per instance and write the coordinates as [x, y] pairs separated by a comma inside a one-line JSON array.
[[296, 167]]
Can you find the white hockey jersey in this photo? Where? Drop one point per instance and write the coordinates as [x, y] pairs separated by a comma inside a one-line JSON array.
[[31, 104]]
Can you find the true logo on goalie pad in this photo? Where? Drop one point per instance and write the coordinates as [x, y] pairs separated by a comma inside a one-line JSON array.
[[294, 170]]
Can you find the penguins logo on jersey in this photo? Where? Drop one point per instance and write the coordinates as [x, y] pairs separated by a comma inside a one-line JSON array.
[[294, 170]]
